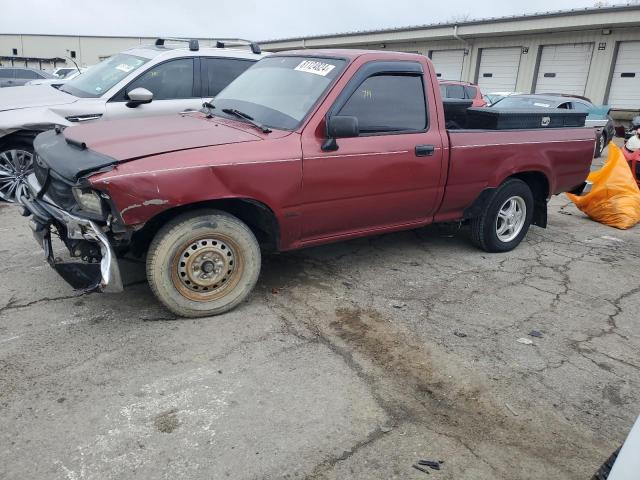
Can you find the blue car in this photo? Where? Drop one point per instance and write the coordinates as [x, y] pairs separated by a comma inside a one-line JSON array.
[[598, 116]]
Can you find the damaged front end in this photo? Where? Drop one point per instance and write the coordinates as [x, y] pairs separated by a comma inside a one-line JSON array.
[[97, 267]]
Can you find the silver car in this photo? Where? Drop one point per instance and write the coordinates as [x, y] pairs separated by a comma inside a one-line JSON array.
[[143, 81], [17, 76]]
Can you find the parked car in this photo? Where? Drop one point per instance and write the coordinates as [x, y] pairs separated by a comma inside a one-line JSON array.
[[64, 72], [143, 81], [462, 90], [302, 149], [15, 77], [494, 97], [57, 81], [630, 130], [598, 116]]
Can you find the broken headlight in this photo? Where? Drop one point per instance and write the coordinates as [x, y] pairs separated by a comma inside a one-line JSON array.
[[88, 200]]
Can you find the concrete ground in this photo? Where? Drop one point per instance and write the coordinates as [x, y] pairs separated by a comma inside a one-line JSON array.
[[349, 361]]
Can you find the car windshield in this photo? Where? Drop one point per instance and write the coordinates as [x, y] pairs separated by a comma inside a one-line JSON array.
[[279, 92], [100, 78], [524, 102]]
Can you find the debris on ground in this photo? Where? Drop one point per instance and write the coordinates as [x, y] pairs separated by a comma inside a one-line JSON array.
[[614, 198], [536, 334], [433, 464], [511, 409], [525, 341], [460, 334], [418, 467], [398, 305]]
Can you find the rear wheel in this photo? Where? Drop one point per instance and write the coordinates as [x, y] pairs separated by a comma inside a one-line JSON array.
[[505, 219], [16, 163], [203, 263]]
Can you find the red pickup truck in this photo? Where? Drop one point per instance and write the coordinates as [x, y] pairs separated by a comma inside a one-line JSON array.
[[303, 149]]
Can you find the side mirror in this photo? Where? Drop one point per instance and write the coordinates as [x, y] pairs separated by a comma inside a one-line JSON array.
[[139, 96], [340, 127], [343, 127]]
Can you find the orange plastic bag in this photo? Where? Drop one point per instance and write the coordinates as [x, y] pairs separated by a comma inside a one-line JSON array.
[[614, 198]]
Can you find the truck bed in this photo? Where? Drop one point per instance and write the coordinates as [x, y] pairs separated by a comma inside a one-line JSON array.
[[482, 159]]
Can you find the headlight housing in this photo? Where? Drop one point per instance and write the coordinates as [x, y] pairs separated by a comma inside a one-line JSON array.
[[88, 200]]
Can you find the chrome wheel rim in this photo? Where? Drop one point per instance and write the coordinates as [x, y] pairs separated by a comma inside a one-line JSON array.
[[15, 166], [511, 219]]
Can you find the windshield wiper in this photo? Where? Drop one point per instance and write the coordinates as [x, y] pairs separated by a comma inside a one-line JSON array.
[[208, 107], [248, 118]]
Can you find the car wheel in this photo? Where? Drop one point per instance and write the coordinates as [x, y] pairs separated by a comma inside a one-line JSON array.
[[601, 143], [506, 218], [16, 163], [203, 263]]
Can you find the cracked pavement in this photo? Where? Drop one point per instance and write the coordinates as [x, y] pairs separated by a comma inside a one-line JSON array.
[[351, 360]]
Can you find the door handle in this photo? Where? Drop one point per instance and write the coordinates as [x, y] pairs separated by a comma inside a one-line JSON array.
[[425, 150]]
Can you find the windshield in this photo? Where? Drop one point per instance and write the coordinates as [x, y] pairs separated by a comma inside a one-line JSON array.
[[100, 78], [279, 92], [524, 102]]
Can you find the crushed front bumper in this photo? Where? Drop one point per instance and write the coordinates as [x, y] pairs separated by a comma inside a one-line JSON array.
[[104, 277]]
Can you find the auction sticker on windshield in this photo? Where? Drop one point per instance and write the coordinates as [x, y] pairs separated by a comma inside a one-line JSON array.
[[315, 67], [123, 67]]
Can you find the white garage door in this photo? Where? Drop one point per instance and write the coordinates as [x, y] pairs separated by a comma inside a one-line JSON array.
[[499, 69], [564, 68], [625, 84], [448, 64]]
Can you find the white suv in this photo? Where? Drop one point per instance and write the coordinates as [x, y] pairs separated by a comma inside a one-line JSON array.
[[143, 81]]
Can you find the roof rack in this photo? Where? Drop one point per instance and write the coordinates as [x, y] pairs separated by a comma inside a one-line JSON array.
[[194, 45], [224, 42]]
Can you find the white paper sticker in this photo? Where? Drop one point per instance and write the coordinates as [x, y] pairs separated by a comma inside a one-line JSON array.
[[315, 67], [123, 67]]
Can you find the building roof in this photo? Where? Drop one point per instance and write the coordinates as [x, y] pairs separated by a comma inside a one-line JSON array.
[[482, 21]]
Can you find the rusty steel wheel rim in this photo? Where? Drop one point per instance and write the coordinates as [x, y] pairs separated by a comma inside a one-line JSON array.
[[207, 268]]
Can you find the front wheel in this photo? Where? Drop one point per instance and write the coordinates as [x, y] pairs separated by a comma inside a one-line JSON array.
[[506, 218], [16, 163], [203, 263]]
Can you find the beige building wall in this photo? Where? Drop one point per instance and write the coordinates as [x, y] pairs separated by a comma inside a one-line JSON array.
[[532, 33], [600, 71]]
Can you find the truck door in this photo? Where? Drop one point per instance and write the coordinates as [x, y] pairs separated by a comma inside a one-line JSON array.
[[389, 175]]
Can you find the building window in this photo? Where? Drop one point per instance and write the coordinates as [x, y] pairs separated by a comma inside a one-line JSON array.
[[15, 51], [73, 53]]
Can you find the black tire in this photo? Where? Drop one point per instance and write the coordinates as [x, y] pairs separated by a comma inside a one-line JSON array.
[[601, 143], [484, 228], [605, 469], [20, 144], [203, 263]]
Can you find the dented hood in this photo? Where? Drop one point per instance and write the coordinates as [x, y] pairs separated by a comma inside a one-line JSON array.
[[141, 137], [86, 148], [28, 96]]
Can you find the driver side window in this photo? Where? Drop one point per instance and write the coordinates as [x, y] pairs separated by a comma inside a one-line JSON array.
[[388, 103], [167, 81]]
